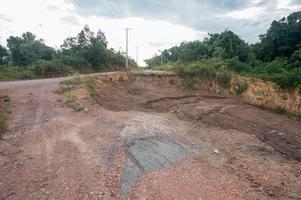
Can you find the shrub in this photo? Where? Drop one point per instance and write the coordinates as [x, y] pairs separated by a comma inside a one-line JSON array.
[[91, 88], [69, 99], [284, 97], [73, 81], [241, 87], [190, 83], [237, 66], [203, 72], [78, 63], [223, 77], [278, 71], [8, 73], [288, 79], [283, 111], [52, 68], [280, 110], [277, 66], [295, 58]]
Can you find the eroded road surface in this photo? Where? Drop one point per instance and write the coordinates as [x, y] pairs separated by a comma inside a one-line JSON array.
[[144, 140]]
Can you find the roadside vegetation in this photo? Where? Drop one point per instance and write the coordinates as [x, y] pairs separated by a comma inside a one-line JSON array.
[[76, 80], [78, 93], [241, 87], [5, 110], [28, 57], [276, 58], [283, 111], [91, 88], [68, 99]]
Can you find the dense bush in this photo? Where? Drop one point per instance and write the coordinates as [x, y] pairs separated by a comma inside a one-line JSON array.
[[207, 70], [52, 68], [277, 57], [16, 73], [223, 77], [26, 49], [78, 64], [279, 71], [280, 110], [236, 65], [287, 79], [28, 57]]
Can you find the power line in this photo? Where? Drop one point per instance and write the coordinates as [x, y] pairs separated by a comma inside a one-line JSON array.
[[123, 7], [119, 8], [112, 7], [109, 11]]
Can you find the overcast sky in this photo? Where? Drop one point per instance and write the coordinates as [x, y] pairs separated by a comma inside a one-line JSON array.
[[157, 24]]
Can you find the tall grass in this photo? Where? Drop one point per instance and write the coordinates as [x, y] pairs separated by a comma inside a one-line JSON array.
[[91, 88], [206, 70]]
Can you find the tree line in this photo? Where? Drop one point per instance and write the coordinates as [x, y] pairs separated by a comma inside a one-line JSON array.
[[276, 57], [28, 57]]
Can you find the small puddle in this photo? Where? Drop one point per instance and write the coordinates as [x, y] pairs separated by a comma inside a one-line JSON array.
[[147, 155]]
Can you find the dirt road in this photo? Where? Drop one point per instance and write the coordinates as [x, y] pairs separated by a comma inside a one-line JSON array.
[[144, 143]]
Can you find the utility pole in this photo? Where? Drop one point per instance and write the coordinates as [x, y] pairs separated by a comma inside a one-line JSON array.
[[137, 49], [127, 48]]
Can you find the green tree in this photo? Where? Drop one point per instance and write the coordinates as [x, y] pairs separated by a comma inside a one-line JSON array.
[[282, 39], [89, 52], [295, 59], [88, 48], [229, 45], [27, 49], [226, 45]]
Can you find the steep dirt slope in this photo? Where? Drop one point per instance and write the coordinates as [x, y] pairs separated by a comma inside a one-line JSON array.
[[162, 94]]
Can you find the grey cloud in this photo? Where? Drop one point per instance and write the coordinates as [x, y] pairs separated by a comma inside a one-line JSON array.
[[267, 3], [92, 7], [71, 20], [152, 8], [201, 15], [295, 2]]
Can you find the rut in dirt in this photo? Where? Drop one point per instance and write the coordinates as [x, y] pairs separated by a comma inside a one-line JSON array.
[[146, 95]]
